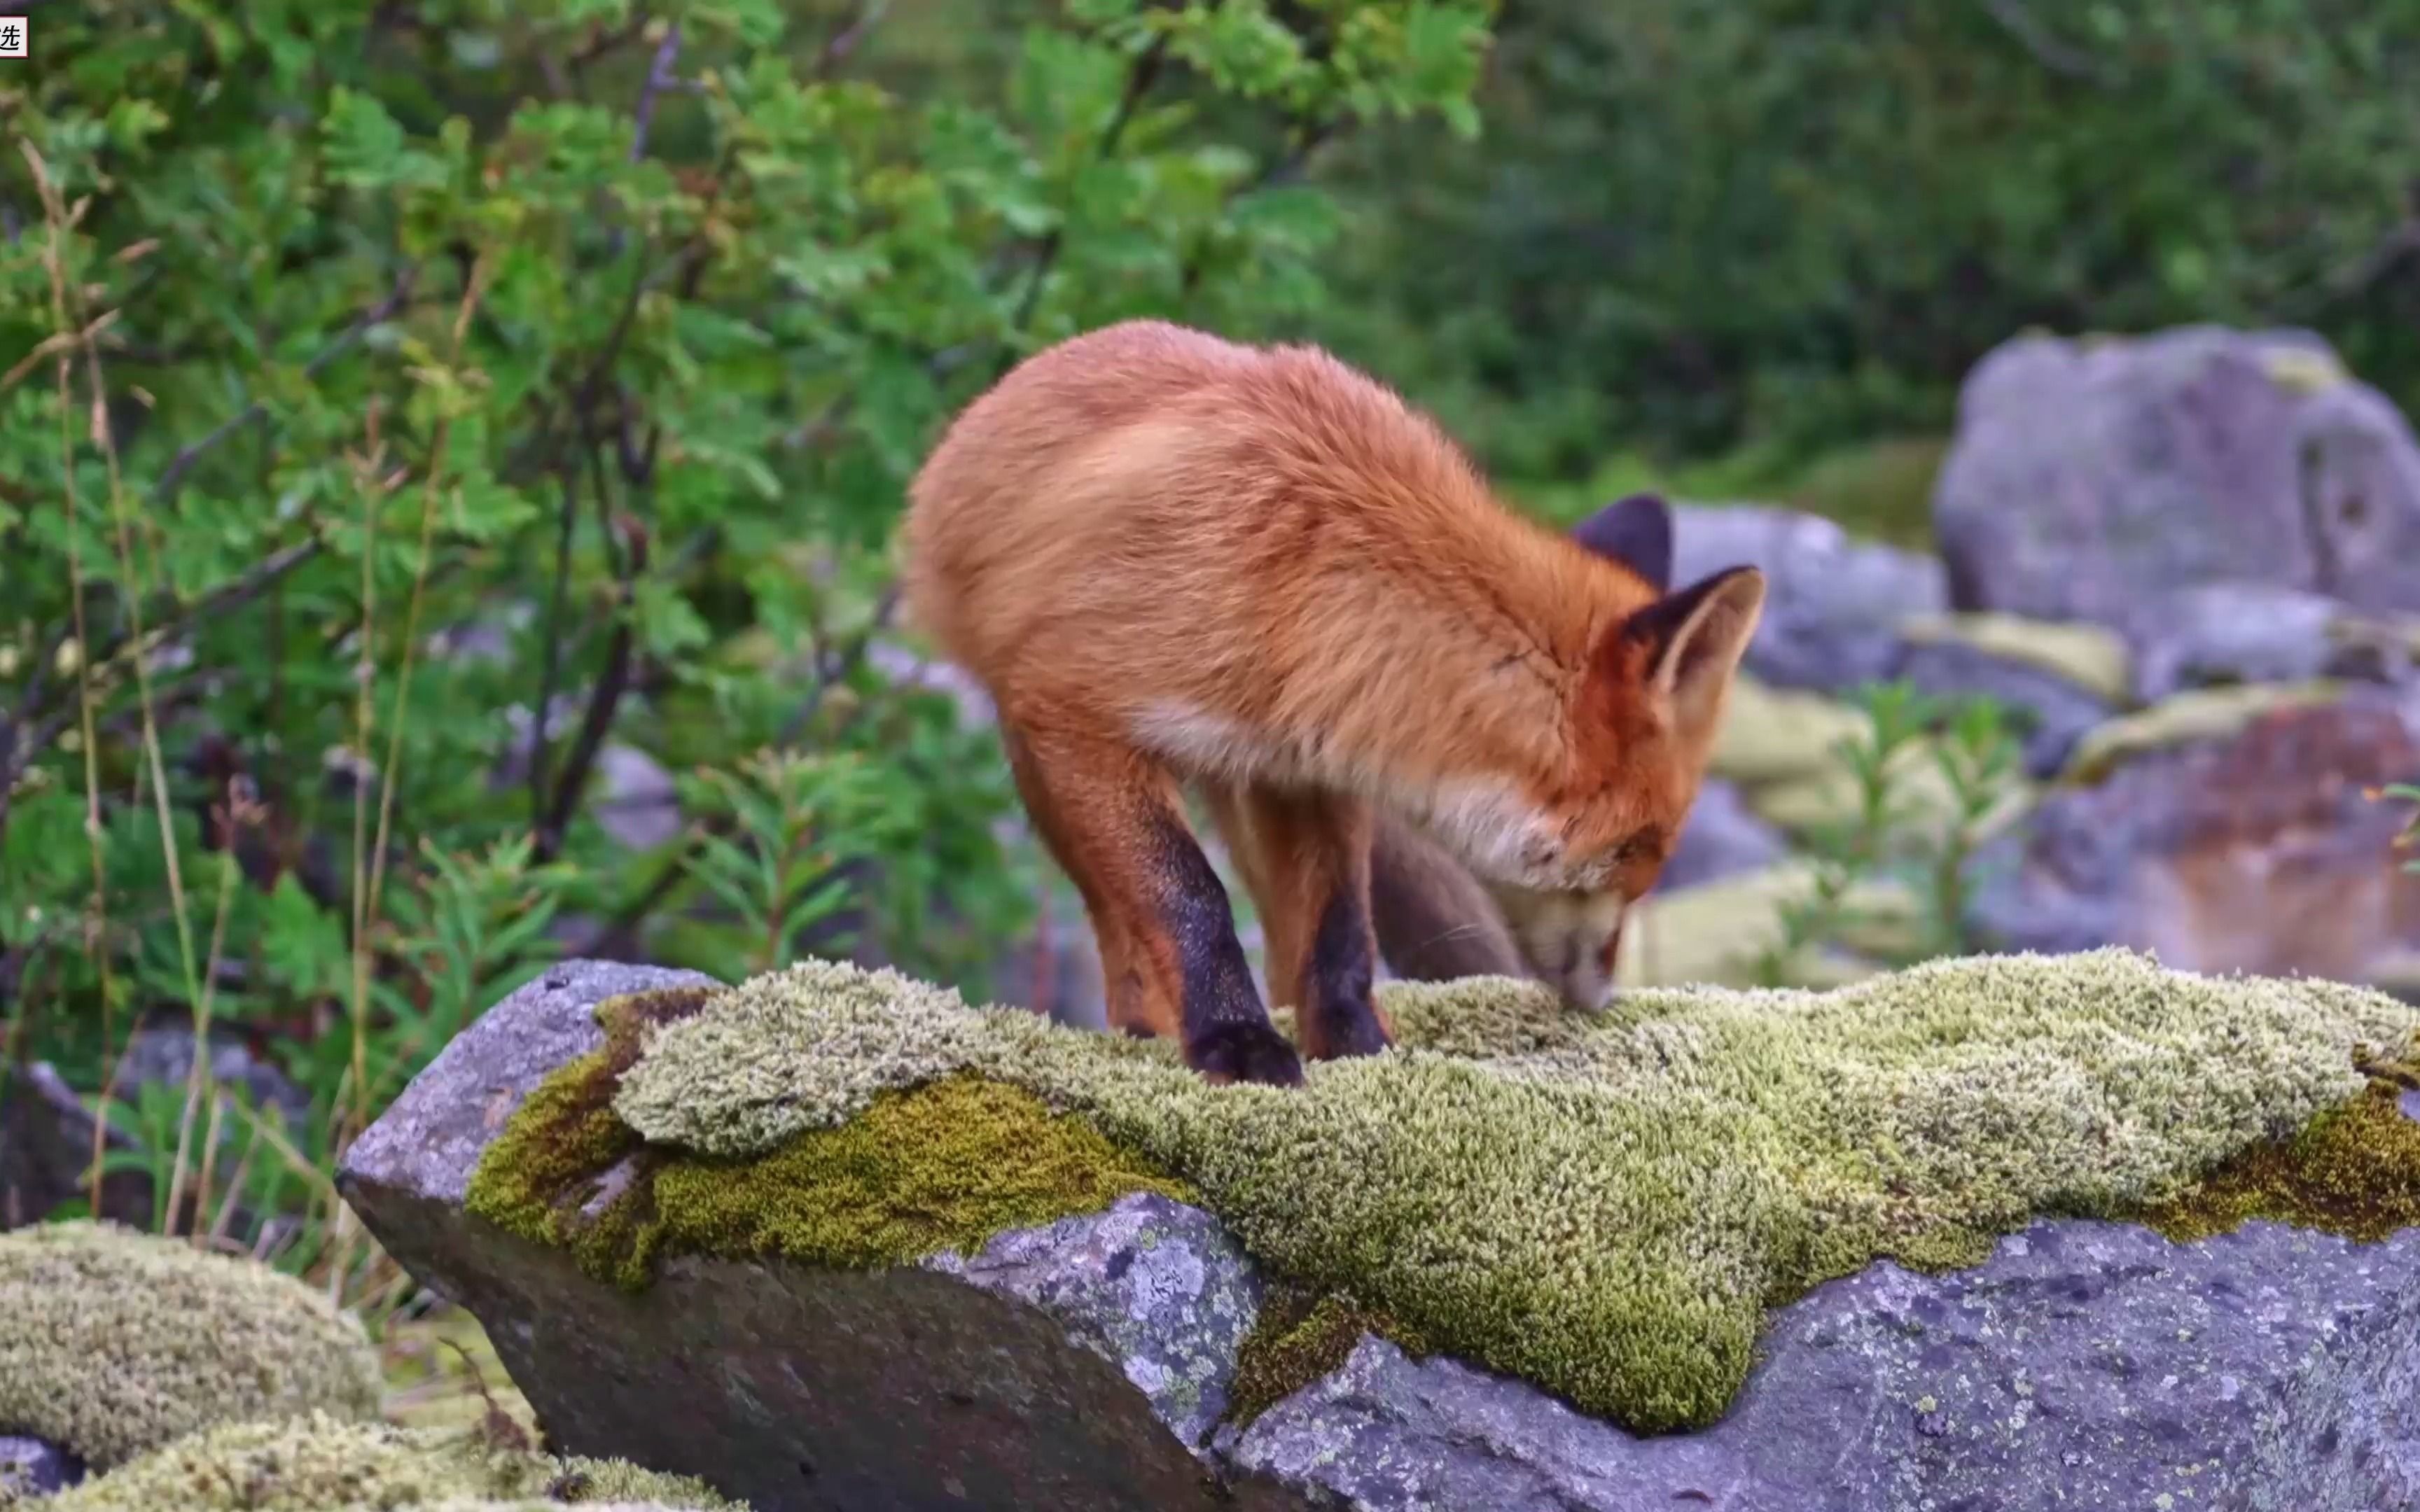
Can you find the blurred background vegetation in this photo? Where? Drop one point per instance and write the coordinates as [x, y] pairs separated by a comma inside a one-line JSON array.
[[448, 450]]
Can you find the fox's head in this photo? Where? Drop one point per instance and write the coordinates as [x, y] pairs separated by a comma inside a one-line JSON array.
[[1575, 856]]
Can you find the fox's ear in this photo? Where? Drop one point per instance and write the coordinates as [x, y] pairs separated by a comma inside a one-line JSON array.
[[1694, 639], [1635, 531]]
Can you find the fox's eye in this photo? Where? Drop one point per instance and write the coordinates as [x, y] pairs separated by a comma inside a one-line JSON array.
[[1643, 846]]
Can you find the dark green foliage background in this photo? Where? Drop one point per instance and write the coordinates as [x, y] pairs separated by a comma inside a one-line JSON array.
[[1768, 231]]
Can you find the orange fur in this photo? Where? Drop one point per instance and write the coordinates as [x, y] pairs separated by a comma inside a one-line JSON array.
[[1172, 558]]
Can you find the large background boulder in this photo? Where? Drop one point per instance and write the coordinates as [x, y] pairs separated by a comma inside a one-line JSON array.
[[2253, 848], [2088, 475], [1833, 604]]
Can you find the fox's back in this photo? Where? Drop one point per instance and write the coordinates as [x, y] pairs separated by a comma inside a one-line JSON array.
[[1152, 527]]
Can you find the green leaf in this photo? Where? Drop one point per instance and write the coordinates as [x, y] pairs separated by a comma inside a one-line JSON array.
[[668, 623]]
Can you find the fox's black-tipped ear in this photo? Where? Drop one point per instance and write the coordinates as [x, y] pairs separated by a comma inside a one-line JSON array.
[[1694, 639], [1635, 531]]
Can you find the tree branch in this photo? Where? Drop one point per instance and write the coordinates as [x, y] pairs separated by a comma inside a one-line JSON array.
[[1140, 78], [26, 733], [604, 702], [184, 461], [834, 663]]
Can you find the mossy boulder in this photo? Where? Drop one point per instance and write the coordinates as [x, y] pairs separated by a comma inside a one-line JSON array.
[[317, 1463], [1602, 1205], [1518, 1204], [2093, 657], [2198, 714], [114, 1342], [1771, 736]]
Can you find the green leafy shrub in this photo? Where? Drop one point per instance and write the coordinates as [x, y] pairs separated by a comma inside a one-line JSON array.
[[428, 417]]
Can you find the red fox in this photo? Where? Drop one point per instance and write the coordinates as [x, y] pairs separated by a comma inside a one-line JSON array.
[[1174, 559]]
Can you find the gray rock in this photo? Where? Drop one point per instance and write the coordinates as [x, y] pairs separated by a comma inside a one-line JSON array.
[[2088, 475], [636, 802], [1833, 604], [35, 1467], [2238, 632], [163, 1054], [2085, 1365], [2259, 851], [1056, 970], [1155, 1287], [2346, 1432], [46, 1146], [46, 1132], [1057, 1368], [428, 1141], [1721, 838], [2053, 711], [1087, 1363]]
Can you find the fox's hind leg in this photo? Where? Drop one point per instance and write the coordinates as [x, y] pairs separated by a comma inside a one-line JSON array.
[[1169, 953], [1305, 859]]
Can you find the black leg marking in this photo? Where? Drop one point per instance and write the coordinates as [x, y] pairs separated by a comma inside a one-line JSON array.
[[1227, 1032], [1342, 971]]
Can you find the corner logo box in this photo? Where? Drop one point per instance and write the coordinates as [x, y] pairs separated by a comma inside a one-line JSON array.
[[12, 36]]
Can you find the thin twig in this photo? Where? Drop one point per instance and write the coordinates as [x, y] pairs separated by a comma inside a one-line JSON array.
[[471, 291], [373, 488], [2057, 56], [201, 1076], [660, 78], [844, 41], [209, 1162]]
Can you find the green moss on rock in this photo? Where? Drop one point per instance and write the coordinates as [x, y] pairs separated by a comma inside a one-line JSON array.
[[114, 1342], [564, 1140], [317, 1463], [1299, 1339], [920, 1167], [2354, 1171], [941, 1166], [1604, 1204]]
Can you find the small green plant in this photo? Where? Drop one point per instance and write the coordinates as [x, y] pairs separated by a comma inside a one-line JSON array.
[[794, 822], [1970, 746], [2408, 840]]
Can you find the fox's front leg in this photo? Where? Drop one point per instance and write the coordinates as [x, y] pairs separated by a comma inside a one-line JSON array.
[[1305, 857], [1170, 957]]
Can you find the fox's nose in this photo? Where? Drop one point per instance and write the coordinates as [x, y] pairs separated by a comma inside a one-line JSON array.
[[1586, 990]]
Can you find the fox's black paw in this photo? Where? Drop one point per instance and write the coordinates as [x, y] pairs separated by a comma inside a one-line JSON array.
[[1353, 1031], [1245, 1051]]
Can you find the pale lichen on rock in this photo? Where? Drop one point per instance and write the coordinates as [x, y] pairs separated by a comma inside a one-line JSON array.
[[114, 1342], [318, 1464]]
